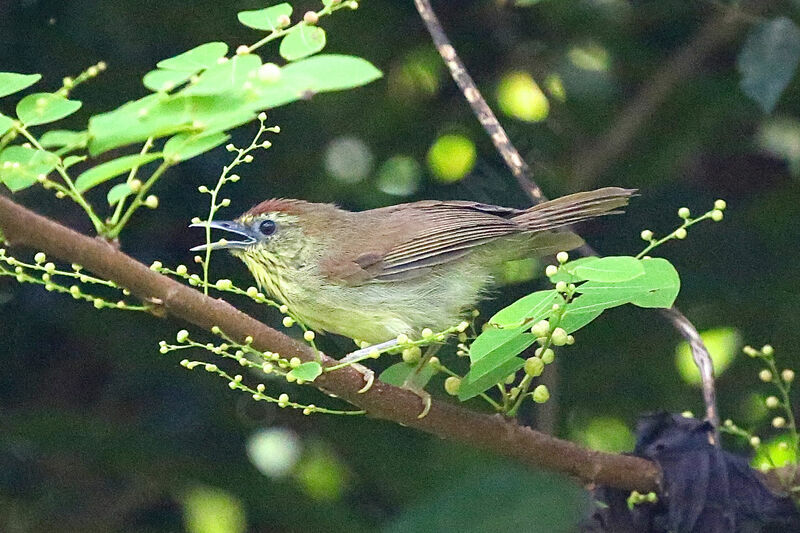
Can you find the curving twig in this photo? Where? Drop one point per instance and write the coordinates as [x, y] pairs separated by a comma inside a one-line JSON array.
[[521, 171]]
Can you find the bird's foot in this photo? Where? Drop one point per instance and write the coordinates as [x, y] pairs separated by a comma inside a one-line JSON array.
[[369, 377], [410, 385]]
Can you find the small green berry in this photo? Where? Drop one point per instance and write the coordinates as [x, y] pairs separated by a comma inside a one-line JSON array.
[[562, 257], [551, 271], [716, 215], [772, 402], [787, 375], [288, 321], [559, 337], [541, 328], [309, 335], [541, 394], [40, 257], [451, 385], [767, 350], [182, 336], [720, 204], [427, 333], [680, 233], [765, 376], [646, 235], [534, 366], [684, 212], [778, 422], [755, 442]]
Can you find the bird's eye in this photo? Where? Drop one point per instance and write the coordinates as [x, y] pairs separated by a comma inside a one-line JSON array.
[[267, 227]]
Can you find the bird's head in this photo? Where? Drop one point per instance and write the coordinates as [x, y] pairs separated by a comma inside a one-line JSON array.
[[270, 238]]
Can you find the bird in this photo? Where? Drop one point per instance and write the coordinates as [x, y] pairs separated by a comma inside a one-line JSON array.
[[373, 275]]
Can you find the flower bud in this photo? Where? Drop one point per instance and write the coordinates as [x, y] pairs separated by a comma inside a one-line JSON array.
[[541, 328], [451, 385], [412, 355], [309, 335], [720, 204], [310, 17], [534, 366], [288, 321], [40, 257], [561, 286], [559, 337], [787, 375], [541, 394], [182, 336], [765, 376], [402, 338], [283, 21], [716, 215], [294, 362], [684, 212], [562, 257], [767, 349], [551, 271], [427, 333], [151, 201], [778, 422], [680, 233], [755, 442]]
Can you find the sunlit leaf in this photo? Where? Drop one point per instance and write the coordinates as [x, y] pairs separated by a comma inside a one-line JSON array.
[[658, 287], [492, 358], [165, 80], [265, 19], [768, 60], [575, 317], [11, 82], [110, 169], [211, 510], [485, 375], [5, 123], [307, 371], [64, 138], [118, 192], [194, 60], [530, 308], [567, 271], [303, 42], [21, 166], [185, 146], [73, 160], [333, 72], [225, 77], [42, 108], [612, 268]]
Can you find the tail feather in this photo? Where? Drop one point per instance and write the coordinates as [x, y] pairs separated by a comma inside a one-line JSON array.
[[574, 208]]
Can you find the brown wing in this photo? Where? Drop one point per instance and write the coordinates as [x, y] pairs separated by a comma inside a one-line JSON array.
[[415, 237]]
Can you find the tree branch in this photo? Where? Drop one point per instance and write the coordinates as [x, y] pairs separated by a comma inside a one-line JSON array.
[[524, 176], [494, 433]]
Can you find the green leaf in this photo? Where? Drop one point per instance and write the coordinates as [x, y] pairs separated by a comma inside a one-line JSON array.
[[228, 76], [110, 169], [611, 268], [5, 123], [575, 318], [42, 108], [307, 371], [658, 287], [194, 60], [265, 19], [567, 271], [530, 308], [11, 82], [21, 166], [302, 42], [492, 358], [185, 146], [165, 80], [768, 60], [73, 160], [332, 72], [118, 192], [64, 138], [399, 373], [483, 376]]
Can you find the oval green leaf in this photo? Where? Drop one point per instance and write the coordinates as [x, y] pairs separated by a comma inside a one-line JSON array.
[[229, 76], [64, 139], [332, 72], [400, 374], [302, 42], [194, 60], [21, 166], [42, 108], [530, 308], [264, 19], [611, 268], [485, 374], [186, 146], [307, 371], [11, 82], [110, 169], [5, 123], [165, 80], [118, 192]]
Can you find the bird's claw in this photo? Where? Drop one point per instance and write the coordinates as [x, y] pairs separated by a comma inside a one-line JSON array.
[[369, 377], [423, 395]]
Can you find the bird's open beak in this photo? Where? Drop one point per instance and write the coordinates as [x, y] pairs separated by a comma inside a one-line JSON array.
[[231, 226]]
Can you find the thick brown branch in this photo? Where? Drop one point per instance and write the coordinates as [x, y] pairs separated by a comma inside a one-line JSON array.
[[490, 432]]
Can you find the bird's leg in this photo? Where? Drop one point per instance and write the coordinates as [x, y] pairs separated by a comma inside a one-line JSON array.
[[413, 384], [353, 358]]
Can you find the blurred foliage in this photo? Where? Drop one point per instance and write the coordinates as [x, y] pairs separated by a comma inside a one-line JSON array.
[[100, 433]]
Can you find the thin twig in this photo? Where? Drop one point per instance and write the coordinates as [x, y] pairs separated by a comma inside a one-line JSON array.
[[524, 177]]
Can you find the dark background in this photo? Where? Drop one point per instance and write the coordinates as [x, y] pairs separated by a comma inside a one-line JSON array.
[[99, 432]]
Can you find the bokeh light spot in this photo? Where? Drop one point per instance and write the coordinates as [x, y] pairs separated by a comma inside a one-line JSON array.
[[722, 344], [451, 157], [520, 97]]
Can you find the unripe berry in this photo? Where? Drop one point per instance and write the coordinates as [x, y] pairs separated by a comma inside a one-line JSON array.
[[755, 442], [182, 336], [716, 215], [646, 235], [561, 286], [562, 257], [283, 21], [309, 335], [680, 233], [541, 394], [541, 328], [310, 17], [288, 321], [551, 271], [787, 375], [412, 355], [427, 333], [767, 349], [765, 376], [559, 337], [778, 422], [451, 385], [771, 402], [684, 212], [534, 366], [40, 257], [720, 204], [151, 201]]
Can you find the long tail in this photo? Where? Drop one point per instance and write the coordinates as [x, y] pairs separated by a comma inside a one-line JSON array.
[[574, 208]]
